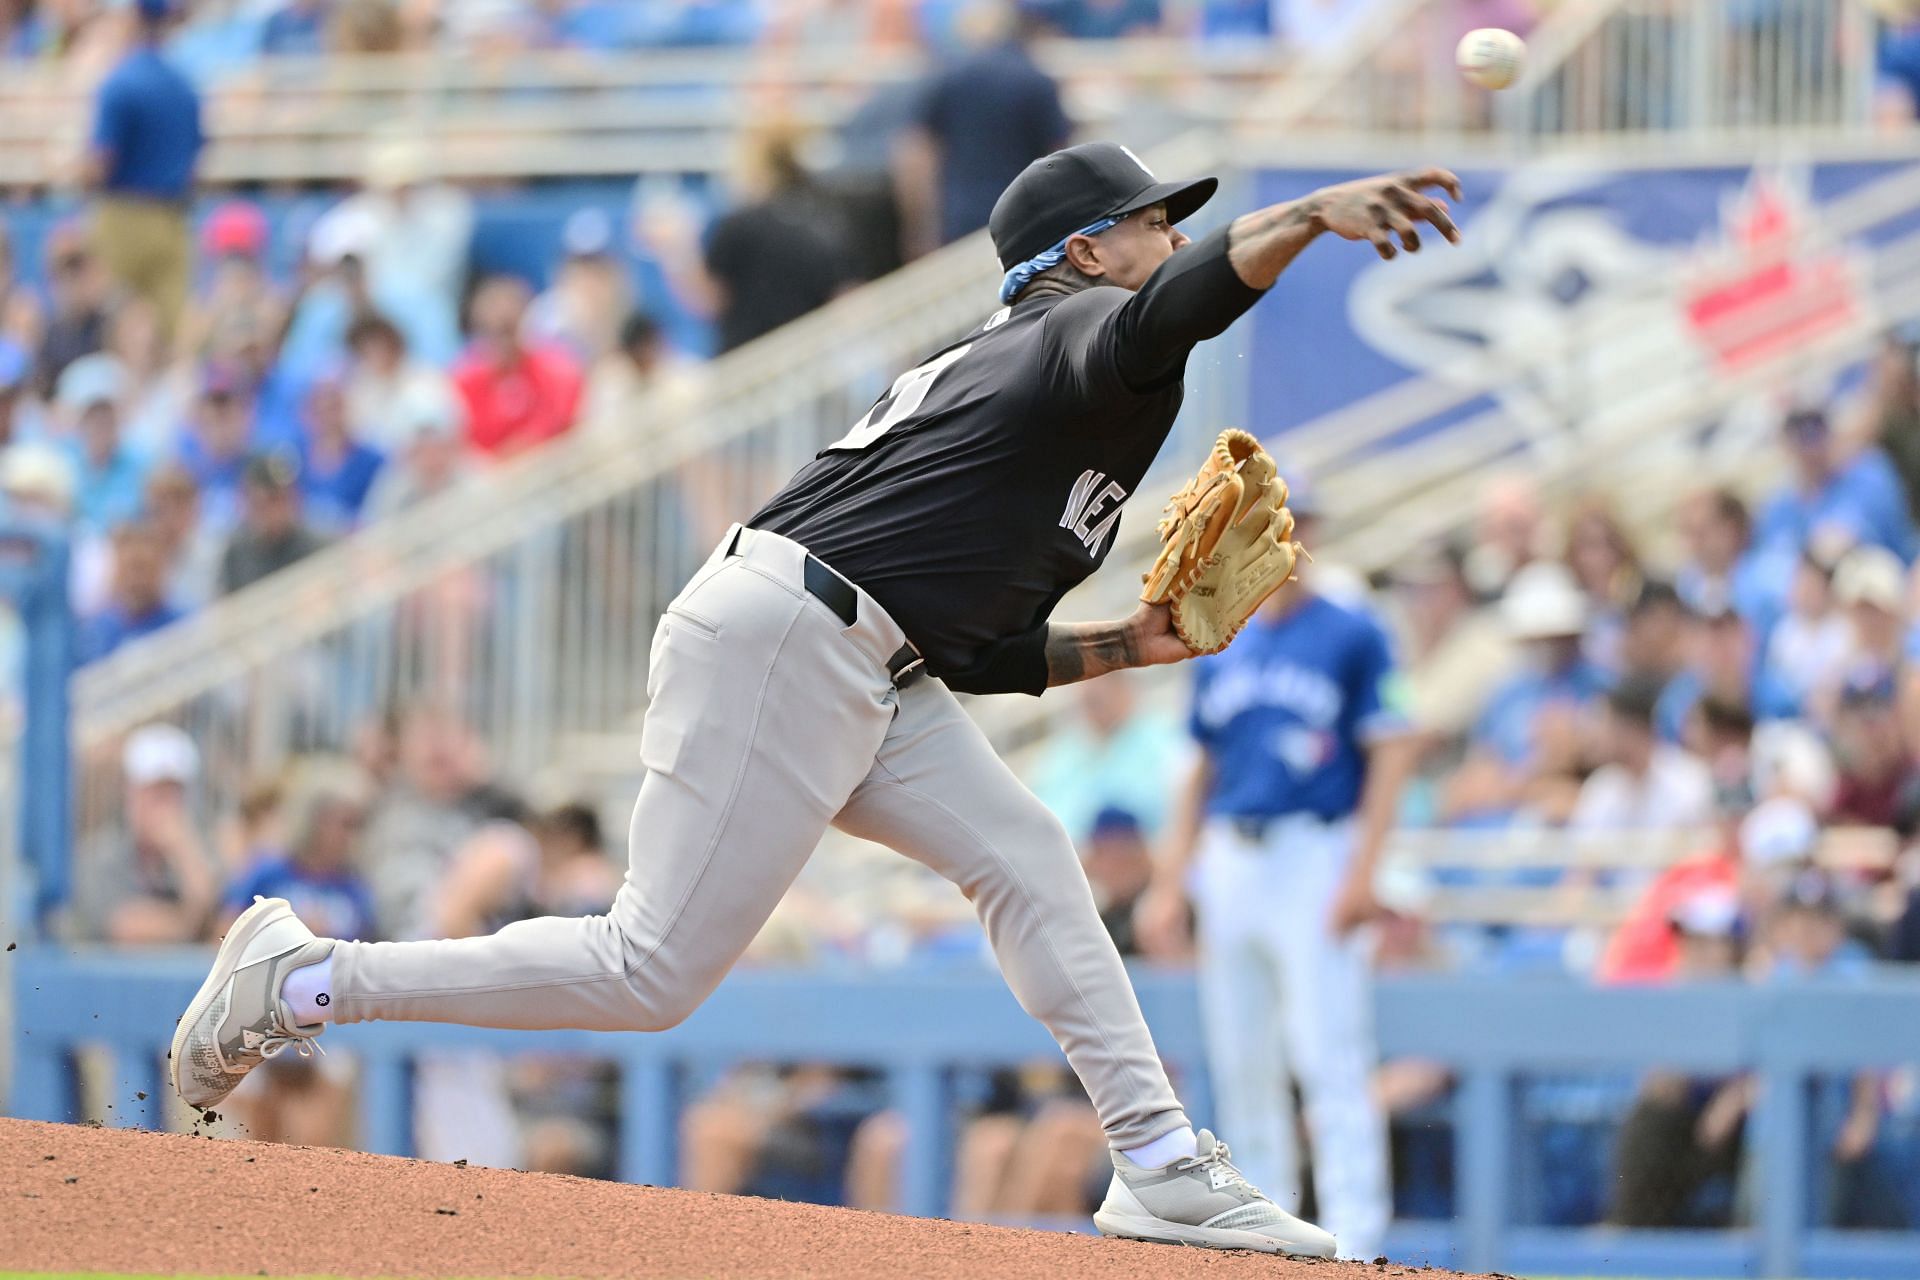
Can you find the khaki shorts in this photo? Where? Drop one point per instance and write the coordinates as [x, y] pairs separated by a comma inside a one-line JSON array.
[[147, 248]]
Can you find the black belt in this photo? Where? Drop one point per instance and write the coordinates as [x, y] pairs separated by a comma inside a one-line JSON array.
[[1253, 827], [835, 592]]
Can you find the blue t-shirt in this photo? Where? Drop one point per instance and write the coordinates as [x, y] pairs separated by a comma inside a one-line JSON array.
[[332, 904], [1294, 703], [107, 495], [334, 497], [1898, 59], [1864, 500], [1506, 727], [295, 31], [1081, 20], [1756, 587], [218, 479], [147, 121], [112, 627], [1768, 698]]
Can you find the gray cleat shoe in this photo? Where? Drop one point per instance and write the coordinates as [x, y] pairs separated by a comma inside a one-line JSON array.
[[1203, 1200], [237, 1020]]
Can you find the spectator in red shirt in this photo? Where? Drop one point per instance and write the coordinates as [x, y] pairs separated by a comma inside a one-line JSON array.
[[1751, 855], [517, 396]]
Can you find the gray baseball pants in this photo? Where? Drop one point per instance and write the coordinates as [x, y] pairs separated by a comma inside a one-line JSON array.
[[769, 719]]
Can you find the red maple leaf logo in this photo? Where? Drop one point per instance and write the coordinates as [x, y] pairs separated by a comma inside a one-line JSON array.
[[1771, 286]]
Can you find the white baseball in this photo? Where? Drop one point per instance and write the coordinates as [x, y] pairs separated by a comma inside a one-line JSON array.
[[1491, 57]]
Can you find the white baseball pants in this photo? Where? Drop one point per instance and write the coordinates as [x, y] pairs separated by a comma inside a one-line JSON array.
[[1286, 1001], [768, 720]]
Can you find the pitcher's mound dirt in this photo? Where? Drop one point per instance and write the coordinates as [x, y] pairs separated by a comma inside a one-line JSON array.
[[82, 1199]]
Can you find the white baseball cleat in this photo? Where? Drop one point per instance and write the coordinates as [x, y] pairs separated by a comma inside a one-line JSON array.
[[237, 1019], [1203, 1200]]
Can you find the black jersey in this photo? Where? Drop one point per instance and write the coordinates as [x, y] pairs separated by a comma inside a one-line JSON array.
[[988, 481]]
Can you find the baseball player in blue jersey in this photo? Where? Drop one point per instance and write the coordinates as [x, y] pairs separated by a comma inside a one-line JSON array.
[[1304, 752]]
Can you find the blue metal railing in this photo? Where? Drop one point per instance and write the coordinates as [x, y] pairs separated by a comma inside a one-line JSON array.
[[921, 1028]]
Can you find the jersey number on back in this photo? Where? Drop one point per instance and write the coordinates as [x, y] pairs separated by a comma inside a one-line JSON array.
[[901, 402]]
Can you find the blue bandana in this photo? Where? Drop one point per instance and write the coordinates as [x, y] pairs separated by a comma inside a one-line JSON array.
[[1023, 273]]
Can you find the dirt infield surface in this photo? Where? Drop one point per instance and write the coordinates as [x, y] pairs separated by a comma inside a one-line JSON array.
[[84, 1199]]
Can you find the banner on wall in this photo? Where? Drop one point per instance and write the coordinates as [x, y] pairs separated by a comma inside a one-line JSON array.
[[1578, 285]]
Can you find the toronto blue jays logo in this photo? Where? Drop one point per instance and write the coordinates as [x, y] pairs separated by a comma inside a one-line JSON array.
[[1582, 289]]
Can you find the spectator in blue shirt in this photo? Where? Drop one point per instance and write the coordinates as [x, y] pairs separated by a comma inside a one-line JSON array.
[[137, 603], [15, 365], [1724, 567], [219, 437], [1100, 19], [316, 872], [297, 29], [1858, 499], [77, 292], [1236, 20], [108, 474], [336, 470], [980, 120], [1523, 734], [1723, 662], [1898, 62], [146, 145]]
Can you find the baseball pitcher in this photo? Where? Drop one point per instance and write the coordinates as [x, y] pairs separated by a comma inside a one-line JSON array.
[[804, 678], [1304, 752]]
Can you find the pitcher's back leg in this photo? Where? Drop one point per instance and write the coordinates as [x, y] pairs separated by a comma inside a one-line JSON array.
[[940, 795]]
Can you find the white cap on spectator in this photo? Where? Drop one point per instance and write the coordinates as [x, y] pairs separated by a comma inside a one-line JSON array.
[[91, 380], [1711, 913], [39, 473], [1543, 601], [349, 231], [425, 409], [1790, 759], [397, 160], [159, 753], [1779, 830], [1871, 575], [588, 233]]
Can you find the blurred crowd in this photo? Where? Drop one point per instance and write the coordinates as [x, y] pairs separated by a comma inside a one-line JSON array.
[[206, 387], [225, 35]]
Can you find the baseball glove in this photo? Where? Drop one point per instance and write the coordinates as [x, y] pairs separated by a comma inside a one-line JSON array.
[[1226, 544]]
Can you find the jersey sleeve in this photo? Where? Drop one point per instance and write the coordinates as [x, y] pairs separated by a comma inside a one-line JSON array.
[[1379, 694], [1014, 665], [1097, 345]]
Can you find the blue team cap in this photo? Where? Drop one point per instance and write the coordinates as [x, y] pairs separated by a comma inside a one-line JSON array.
[[1114, 821]]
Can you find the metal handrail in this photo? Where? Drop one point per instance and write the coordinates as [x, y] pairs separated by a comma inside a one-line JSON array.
[[564, 113]]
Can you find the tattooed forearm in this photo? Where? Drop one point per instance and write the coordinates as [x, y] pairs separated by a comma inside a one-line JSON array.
[[1083, 650], [1262, 244]]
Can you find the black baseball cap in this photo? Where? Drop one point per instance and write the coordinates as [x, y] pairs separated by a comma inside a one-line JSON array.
[[1058, 194]]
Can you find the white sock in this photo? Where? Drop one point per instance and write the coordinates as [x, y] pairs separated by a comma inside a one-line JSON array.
[[308, 992], [1164, 1150]]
